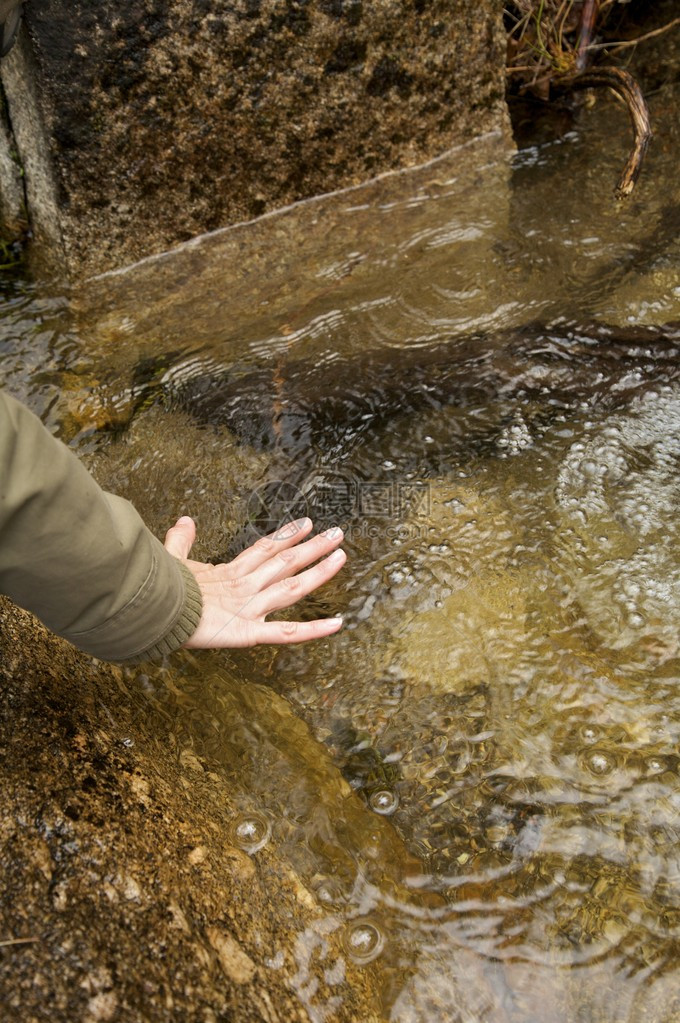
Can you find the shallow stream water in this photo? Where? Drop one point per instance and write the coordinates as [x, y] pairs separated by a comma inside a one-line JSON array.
[[478, 780]]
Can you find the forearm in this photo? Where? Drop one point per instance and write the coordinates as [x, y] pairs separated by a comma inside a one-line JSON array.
[[80, 559]]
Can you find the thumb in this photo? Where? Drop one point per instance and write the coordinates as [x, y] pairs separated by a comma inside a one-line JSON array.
[[179, 539]]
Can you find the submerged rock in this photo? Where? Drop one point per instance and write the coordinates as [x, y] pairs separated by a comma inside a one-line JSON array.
[[417, 686], [617, 493], [299, 407]]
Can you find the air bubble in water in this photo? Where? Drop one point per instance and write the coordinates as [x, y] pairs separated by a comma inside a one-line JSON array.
[[383, 801], [599, 762], [329, 892], [363, 940], [655, 765], [250, 831], [590, 467], [589, 733]]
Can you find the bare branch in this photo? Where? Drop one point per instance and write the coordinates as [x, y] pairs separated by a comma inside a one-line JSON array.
[[633, 42], [625, 86]]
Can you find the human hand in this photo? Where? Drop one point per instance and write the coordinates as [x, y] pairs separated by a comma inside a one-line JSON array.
[[238, 596]]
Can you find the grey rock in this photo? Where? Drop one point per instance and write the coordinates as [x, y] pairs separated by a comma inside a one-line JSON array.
[[162, 121]]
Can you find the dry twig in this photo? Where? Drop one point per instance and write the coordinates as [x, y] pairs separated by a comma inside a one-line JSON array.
[[549, 42], [625, 86], [623, 44], [17, 941]]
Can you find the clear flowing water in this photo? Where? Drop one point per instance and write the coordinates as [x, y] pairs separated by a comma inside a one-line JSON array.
[[478, 780]]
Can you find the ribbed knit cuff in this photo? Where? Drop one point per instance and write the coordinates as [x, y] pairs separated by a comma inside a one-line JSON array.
[[184, 625]]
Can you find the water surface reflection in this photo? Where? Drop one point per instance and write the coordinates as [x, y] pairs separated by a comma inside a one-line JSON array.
[[477, 781]]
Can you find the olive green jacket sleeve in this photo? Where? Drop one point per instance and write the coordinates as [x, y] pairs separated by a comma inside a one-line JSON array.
[[80, 559]]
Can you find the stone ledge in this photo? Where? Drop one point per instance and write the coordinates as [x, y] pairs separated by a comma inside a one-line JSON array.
[[166, 120]]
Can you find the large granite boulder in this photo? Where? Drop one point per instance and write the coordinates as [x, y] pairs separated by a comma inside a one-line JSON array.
[[139, 126]]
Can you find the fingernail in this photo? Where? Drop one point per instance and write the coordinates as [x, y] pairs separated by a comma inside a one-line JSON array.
[[336, 556], [184, 520], [292, 528], [332, 533]]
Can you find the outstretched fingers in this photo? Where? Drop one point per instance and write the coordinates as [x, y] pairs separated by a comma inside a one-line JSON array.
[[287, 591], [297, 632], [267, 547], [287, 562], [272, 574]]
